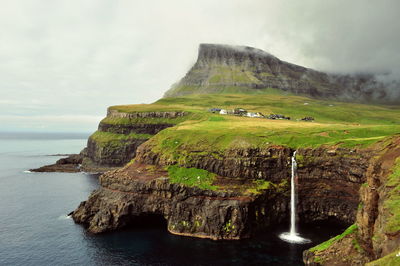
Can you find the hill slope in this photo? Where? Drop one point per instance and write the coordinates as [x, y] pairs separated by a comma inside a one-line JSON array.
[[241, 69], [335, 122], [219, 176], [226, 175]]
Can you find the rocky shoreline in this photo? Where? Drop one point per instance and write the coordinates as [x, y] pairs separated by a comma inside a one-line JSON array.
[[125, 196], [231, 212], [329, 181], [344, 185], [70, 164]]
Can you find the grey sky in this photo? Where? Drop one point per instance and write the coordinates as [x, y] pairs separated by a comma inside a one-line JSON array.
[[63, 62]]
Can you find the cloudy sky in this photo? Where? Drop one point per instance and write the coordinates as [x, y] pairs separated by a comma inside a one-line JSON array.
[[63, 62]]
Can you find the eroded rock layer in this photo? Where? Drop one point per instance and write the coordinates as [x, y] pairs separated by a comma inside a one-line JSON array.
[[70, 164], [127, 194], [328, 178], [377, 230], [329, 181], [120, 134], [231, 212]]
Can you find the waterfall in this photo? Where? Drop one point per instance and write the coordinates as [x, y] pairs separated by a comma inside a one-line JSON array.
[[293, 197], [292, 236]]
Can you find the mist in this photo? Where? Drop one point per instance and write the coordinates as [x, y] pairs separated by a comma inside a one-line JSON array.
[[63, 62]]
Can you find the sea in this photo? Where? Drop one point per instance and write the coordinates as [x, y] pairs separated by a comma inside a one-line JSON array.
[[35, 228]]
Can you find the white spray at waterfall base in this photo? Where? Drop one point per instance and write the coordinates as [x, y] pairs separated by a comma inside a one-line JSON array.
[[292, 236]]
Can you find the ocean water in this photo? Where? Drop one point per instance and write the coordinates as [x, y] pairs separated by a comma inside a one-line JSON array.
[[34, 228]]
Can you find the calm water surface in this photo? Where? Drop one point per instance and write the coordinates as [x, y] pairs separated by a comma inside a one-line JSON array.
[[34, 228]]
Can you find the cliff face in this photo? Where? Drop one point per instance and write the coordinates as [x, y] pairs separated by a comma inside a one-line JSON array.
[[70, 164], [377, 228], [253, 163], [378, 218], [100, 156], [225, 68], [231, 212], [125, 196], [328, 182], [250, 189], [120, 134], [328, 178]]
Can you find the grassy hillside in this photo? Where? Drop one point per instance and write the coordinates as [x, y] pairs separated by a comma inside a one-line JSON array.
[[336, 123]]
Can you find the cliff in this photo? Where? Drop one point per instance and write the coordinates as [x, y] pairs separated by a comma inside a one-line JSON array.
[[376, 232], [70, 164], [249, 193], [220, 176], [120, 134], [242, 69], [127, 195]]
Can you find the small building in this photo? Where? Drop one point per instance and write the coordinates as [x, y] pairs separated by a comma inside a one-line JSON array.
[[214, 110], [239, 111], [259, 114], [251, 114], [278, 116], [307, 118]]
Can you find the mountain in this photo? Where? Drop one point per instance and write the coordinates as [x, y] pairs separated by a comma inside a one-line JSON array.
[[241, 69], [227, 176]]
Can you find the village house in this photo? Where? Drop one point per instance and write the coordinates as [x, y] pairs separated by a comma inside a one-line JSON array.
[[277, 116], [239, 111], [308, 118], [251, 114], [214, 110]]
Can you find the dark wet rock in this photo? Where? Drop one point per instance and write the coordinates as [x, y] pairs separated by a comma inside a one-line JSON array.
[[151, 129], [101, 157], [328, 184], [327, 189], [372, 239], [109, 156], [329, 181], [188, 211], [70, 164]]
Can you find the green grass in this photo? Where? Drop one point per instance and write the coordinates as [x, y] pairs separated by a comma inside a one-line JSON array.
[[336, 123], [250, 91], [107, 138], [259, 186], [216, 118], [191, 177], [318, 259], [344, 123], [236, 132], [151, 120], [357, 246], [324, 245], [232, 74], [392, 202], [392, 259], [274, 101]]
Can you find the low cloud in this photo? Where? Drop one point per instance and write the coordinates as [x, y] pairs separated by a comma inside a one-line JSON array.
[[78, 57], [54, 123]]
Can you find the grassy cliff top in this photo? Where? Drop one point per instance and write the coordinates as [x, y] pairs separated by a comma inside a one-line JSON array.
[[342, 123], [276, 101]]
